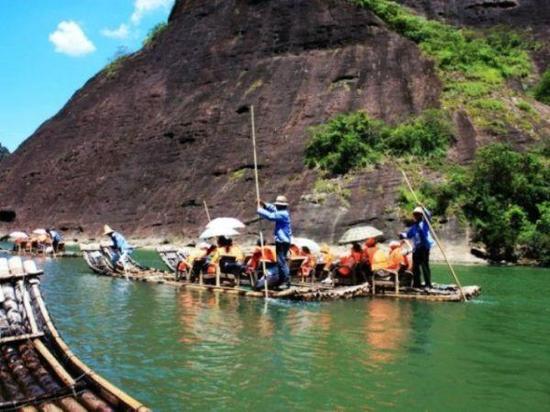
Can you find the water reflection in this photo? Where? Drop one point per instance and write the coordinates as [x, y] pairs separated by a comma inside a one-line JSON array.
[[176, 349], [387, 328]]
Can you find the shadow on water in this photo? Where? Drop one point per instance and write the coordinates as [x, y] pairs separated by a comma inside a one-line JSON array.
[[199, 350]]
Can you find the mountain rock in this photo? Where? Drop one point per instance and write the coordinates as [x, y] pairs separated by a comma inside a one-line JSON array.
[[148, 139]]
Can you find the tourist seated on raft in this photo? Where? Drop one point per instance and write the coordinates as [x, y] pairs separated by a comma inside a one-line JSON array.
[[400, 262], [308, 266], [255, 264], [326, 258], [198, 254], [350, 267], [395, 260], [226, 248]]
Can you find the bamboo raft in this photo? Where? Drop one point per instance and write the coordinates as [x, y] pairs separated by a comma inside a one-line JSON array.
[[98, 259], [171, 256], [63, 254], [38, 372]]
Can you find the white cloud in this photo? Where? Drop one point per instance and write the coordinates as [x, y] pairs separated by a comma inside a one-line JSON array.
[[142, 7], [69, 39], [119, 33]]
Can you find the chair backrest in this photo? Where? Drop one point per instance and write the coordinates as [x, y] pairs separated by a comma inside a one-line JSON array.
[[4, 269], [295, 263], [227, 259], [16, 265]]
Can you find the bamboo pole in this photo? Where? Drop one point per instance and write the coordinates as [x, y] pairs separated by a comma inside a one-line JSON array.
[[206, 210], [257, 180], [436, 238]]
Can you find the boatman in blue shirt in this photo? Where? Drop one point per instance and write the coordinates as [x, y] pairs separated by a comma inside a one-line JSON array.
[[121, 247], [278, 213], [422, 241], [56, 239]]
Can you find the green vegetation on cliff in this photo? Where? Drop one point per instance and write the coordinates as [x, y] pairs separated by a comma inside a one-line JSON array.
[[473, 65], [4, 152], [505, 196], [542, 91], [355, 140], [154, 33]]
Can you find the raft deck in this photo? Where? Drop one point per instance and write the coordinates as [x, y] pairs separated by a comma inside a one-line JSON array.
[[298, 291], [37, 369]]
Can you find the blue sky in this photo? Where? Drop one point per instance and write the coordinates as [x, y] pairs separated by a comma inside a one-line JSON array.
[[49, 48]]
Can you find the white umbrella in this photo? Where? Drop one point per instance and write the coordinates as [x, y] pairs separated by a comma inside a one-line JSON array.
[[360, 233], [40, 232], [310, 244], [224, 222], [218, 231], [18, 235]]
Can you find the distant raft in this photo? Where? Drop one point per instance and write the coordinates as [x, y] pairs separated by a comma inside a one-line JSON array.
[[97, 257], [37, 369]]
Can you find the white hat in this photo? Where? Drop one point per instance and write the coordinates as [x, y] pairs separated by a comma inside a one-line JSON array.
[[203, 245], [419, 210], [107, 230], [281, 201]]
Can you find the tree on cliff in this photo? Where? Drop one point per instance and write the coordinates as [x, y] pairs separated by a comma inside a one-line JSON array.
[[3, 152]]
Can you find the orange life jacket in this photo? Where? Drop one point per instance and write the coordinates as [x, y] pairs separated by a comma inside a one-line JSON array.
[[380, 260]]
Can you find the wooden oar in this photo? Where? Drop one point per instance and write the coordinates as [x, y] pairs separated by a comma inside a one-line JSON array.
[[266, 290], [439, 244]]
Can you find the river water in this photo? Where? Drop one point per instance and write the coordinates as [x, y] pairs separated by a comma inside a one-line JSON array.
[[190, 350]]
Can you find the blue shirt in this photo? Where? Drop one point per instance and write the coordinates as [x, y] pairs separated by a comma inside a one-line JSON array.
[[55, 236], [283, 230], [119, 243], [420, 234]]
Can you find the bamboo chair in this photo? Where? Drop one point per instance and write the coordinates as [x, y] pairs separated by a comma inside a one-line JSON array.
[[294, 265], [382, 280]]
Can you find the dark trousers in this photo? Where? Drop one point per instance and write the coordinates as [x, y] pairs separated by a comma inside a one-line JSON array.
[[421, 262], [282, 265]]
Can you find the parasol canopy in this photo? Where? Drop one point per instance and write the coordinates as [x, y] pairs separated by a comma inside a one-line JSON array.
[[40, 232], [18, 236], [359, 233], [226, 222], [218, 231], [310, 244]]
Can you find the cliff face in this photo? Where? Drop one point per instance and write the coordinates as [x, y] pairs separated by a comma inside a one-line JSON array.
[[142, 146]]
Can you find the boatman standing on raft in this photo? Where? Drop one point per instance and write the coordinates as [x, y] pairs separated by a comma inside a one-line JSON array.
[[422, 240], [278, 213], [120, 246]]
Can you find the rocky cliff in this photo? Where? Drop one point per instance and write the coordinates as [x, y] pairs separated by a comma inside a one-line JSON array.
[[143, 144]]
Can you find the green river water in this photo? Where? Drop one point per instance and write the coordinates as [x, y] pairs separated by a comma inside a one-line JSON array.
[[190, 350]]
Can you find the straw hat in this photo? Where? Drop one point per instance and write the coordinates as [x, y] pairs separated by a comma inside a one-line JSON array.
[[107, 230], [325, 248], [418, 210], [281, 201]]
